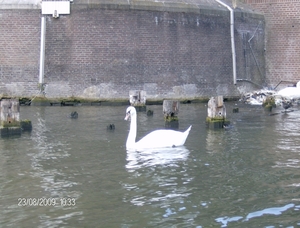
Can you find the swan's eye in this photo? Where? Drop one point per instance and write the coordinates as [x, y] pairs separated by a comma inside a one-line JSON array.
[[128, 112]]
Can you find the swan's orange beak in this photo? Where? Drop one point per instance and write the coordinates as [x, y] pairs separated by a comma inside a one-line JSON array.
[[127, 117]]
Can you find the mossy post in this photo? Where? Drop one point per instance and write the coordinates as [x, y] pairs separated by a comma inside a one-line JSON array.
[[171, 110], [269, 103], [26, 125], [137, 98], [216, 113], [10, 117]]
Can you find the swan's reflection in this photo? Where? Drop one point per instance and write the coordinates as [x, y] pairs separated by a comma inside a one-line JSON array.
[[153, 157], [157, 177]]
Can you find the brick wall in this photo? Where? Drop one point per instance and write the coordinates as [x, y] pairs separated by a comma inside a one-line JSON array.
[[19, 51], [282, 38], [103, 53]]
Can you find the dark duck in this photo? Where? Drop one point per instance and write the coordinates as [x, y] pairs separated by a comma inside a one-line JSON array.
[[286, 105]]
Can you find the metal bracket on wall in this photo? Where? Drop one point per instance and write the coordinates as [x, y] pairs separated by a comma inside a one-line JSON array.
[[286, 81], [252, 52]]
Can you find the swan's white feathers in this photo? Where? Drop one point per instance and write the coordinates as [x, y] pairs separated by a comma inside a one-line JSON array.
[[290, 92], [155, 139], [162, 138]]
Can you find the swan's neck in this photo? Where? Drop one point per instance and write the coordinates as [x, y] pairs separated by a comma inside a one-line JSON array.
[[132, 133]]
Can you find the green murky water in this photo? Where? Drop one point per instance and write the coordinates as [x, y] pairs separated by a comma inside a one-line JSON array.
[[75, 173]]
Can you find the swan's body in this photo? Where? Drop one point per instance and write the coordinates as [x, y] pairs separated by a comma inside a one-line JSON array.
[[290, 92], [155, 139]]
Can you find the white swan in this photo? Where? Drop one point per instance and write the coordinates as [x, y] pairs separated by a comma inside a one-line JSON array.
[[290, 92], [155, 139]]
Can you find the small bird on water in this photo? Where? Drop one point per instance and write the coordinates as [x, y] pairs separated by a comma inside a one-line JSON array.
[[110, 127], [74, 115], [286, 105]]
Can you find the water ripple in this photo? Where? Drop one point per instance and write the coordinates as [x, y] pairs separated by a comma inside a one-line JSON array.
[[163, 156], [268, 211]]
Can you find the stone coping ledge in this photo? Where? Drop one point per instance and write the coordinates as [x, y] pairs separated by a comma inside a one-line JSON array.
[[206, 8], [20, 4], [149, 5]]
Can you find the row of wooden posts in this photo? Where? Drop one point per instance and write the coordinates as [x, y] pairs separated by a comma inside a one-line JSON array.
[[216, 110], [216, 118]]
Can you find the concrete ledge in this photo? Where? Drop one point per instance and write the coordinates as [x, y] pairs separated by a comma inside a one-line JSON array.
[[254, 15], [23, 4], [161, 6], [147, 5], [202, 8]]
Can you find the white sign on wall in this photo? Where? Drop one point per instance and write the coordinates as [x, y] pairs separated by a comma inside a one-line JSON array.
[[55, 7]]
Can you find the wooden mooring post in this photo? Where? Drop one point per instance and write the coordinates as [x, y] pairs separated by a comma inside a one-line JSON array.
[[171, 110], [216, 113], [137, 98], [10, 117], [10, 123]]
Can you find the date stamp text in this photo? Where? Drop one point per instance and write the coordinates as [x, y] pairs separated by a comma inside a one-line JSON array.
[[44, 202]]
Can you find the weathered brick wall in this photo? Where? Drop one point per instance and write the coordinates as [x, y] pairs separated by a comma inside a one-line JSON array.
[[19, 51], [100, 52], [250, 46], [282, 38]]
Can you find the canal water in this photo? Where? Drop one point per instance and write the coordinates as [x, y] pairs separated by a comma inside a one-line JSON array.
[[75, 173]]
